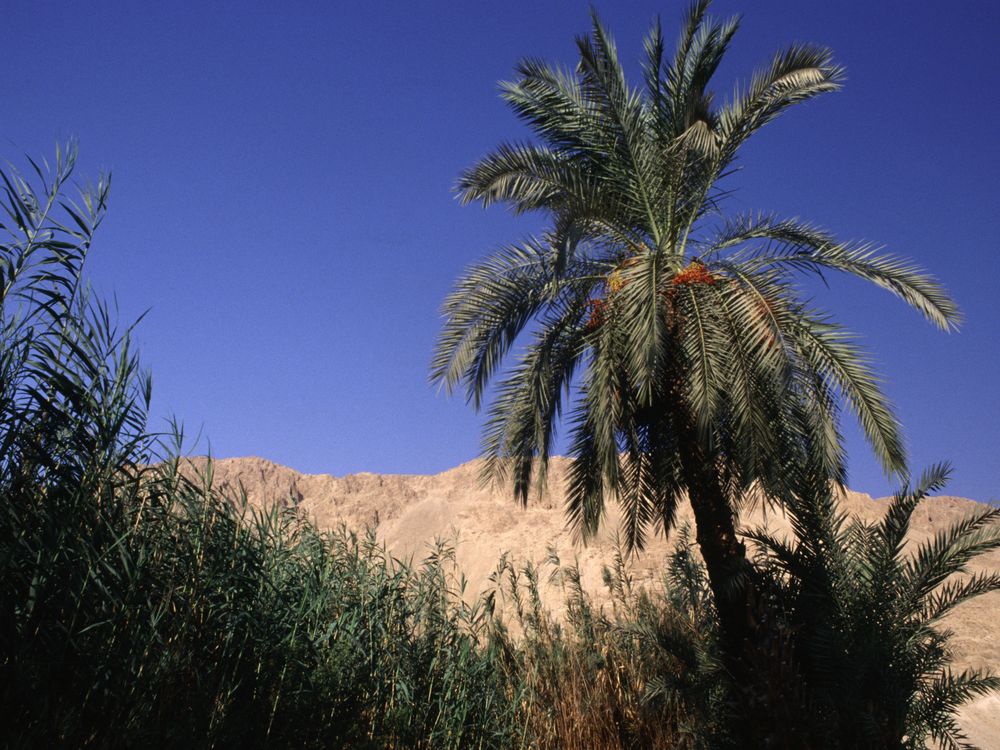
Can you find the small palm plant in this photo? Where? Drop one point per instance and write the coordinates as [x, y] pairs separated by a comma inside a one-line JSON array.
[[862, 615], [699, 368]]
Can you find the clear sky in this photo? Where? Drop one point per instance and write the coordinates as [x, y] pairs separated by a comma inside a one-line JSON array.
[[282, 201]]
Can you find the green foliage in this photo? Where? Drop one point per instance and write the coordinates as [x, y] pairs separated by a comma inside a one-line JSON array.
[[202, 622], [142, 606], [860, 611], [645, 675]]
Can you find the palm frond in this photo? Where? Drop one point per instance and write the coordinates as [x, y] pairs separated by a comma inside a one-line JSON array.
[[798, 74], [519, 433], [950, 551], [934, 710], [527, 176], [952, 593], [890, 533], [829, 351], [490, 306], [768, 242], [550, 100]]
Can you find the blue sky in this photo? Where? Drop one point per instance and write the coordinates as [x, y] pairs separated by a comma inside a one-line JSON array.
[[282, 199]]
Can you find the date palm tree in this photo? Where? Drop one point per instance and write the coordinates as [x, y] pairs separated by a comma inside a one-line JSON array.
[[699, 369]]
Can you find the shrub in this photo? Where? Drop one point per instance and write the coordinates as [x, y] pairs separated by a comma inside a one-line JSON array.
[[860, 617]]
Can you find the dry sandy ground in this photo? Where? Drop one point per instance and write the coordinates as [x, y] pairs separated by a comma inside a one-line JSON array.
[[411, 511]]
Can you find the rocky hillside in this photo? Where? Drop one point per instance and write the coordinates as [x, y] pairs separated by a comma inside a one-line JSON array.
[[411, 511]]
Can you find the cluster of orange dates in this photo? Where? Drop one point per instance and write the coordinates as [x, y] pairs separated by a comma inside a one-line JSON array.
[[598, 308], [694, 273]]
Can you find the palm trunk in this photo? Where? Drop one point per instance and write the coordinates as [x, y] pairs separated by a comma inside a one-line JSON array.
[[754, 652], [729, 571]]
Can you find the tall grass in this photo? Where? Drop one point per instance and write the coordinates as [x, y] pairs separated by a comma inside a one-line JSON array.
[[640, 672], [179, 617], [140, 606]]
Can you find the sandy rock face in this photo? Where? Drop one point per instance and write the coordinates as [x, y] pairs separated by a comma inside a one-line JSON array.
[[483, 522]]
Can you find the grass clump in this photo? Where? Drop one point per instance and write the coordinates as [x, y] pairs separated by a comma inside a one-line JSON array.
[[641, 672], [185, 619]]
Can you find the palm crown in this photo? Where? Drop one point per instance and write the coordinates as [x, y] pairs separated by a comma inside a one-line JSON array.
[[682, 331]]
